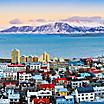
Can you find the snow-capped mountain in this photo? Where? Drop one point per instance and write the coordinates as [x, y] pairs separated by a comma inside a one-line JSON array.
[[54, 28]]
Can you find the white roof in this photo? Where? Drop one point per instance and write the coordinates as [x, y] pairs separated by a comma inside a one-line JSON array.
[[4, 101], [14, 96], [69, 97]]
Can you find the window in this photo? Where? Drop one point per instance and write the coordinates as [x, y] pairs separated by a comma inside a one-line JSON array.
[[86, 97], [91, 97], [82, 98], [11, 99], [82, 94], [15, 99], [70, 99], [79, 99], [86, 94]]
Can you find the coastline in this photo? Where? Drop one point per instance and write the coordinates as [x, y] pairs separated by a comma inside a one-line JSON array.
[[92, 34]]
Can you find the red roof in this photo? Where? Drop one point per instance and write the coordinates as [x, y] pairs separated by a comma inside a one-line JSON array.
[[9, 83], [41, 101], [73, 77], [16, 65], [47, 86], [95, 71], [44, 67], [61, 79]]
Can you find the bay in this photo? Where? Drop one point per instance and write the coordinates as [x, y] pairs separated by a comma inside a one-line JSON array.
[[56, 45]]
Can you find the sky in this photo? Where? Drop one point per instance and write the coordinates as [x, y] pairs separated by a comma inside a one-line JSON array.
[[28, 11]]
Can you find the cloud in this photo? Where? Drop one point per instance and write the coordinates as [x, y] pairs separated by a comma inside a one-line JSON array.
[[16, 21], [37, 20], [84, 19]]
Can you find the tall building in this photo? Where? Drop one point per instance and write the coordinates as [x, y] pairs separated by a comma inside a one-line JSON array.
[[30, 59], [35, 59], [45, 57], [15, 56], [23, 59]]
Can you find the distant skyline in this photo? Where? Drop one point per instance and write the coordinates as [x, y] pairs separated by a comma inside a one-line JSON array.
[[31, 11]]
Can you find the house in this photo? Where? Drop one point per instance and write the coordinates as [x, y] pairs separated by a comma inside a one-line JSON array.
[[57, 87], [76, 63], [41, 101], [4, 101], [61, 81], [44, 93], [13, 96], [84, 94], [85, 75], [61, 100], [7, 83], [38, 78], [65, 100], [4, 66], [63, 91], [96, 72], [70, 99], [46, 86], [45, 67], [24, 77], [35, 66], [40, 94], [99, 91], [25, 86], [16, 67], [10, 75], [78, 83]]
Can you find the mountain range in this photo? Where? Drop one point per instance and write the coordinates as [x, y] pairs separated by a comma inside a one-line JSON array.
[[54, 28]]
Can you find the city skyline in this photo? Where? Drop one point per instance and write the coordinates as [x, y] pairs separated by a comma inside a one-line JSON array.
[[31, 12]]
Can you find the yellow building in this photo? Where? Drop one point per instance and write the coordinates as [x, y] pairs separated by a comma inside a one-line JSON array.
[[30, 59], [45, 57], [35, 59], [63, 92], [15, 56], [23, 59]]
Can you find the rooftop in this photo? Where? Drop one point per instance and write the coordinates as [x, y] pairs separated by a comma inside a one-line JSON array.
[[87, 89]]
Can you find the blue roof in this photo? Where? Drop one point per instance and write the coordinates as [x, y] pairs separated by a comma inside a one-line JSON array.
[[87, 89], [76, 63], [91, 102], [37, 77], [63, 90], [61, 100], [86, 74]]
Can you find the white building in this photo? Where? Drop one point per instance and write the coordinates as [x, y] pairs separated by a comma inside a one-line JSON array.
[[24, 77], [41, 93], [35, 66], [99, 91], [84, 94], [78, 83], [4, 101], [14, 97], [12, 75]]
